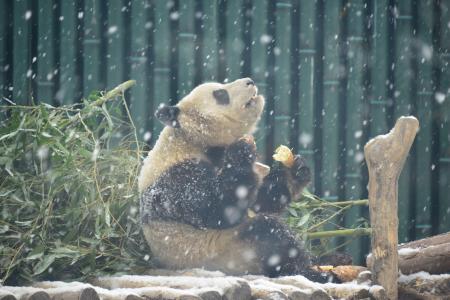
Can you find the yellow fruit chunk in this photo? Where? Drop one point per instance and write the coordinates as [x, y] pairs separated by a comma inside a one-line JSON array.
[[284, 155]]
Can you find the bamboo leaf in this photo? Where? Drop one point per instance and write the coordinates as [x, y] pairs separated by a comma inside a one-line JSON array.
[[43, 264]]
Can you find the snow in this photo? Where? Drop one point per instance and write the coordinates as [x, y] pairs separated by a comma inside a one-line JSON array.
[[28, 14], [421, 276], [407, 251], [221, 284], [440, 97]]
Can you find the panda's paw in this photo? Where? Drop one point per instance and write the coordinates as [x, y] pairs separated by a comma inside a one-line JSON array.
[[243, 151], [300, 171]]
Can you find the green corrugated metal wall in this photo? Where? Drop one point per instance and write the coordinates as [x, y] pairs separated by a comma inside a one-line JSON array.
[[335, 73]]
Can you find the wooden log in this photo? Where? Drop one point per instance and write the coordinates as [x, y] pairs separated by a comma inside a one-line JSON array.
[[347, 290], [426, 286], [377, 292], [73, 293], [439, 239], [432, 259], [317, 290], [58, 289], [431, 255], [5, 295], [347, 273], [289, 291], [266, 293], [156, 293], [385, 156], [228, 287], [26, 293]]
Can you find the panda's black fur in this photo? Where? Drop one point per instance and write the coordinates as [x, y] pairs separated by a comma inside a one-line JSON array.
[[200, 201]]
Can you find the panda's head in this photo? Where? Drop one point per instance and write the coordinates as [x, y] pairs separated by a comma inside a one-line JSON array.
[[215, 114]]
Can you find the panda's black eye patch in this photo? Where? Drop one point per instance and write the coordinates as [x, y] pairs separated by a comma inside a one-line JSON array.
[[222, 97]]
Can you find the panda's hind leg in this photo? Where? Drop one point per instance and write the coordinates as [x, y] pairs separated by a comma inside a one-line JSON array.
[[279, 252]]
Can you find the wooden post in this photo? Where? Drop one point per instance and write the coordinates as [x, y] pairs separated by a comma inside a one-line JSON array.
[[385, 157]]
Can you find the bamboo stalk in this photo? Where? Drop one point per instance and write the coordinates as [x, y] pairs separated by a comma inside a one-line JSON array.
[[341, 232], [340, 203], [117, 91]]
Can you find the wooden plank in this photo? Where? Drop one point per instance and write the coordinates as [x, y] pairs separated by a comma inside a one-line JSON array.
[[162, 56], [380, 67], [332, 121], [331, 105], [260, 39], [7, 48], [210, 56], [282, 75], [22, 60], [138, 59], [402, 103], [3, 28], [186, 45], [425, 95], [307, 52], [354, 110], [46, 69], [233, 44], [68, 77], [318, 96], [116, 39], [91, 46], [444, 131]]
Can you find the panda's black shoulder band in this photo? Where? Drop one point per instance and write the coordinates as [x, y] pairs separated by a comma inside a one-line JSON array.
[[168, 115]]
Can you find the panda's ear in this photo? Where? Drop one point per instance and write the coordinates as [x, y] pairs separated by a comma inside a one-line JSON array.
[[168, 115]]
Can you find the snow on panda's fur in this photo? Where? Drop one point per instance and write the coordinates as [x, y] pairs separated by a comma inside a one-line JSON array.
[[199, 180]]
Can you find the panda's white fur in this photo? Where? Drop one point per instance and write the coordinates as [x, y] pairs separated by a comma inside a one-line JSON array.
[[200, 122], [203, 123]]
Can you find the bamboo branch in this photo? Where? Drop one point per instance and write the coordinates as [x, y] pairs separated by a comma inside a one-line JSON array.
[[339, 203], [336, 233], [117, 91]]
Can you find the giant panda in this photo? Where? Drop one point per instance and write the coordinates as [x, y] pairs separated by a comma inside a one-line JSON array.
[[200, 179]]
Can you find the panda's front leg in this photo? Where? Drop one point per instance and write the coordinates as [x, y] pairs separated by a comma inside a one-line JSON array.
[[281, 185], [237, 184]]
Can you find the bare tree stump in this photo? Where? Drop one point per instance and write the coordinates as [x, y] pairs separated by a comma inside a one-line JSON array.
[[385, 156]]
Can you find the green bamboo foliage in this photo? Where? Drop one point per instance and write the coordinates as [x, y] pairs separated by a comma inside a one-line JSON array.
[[68, 190]]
